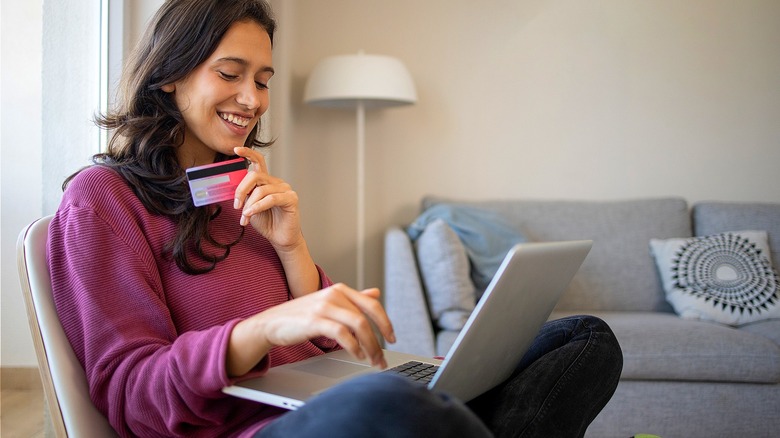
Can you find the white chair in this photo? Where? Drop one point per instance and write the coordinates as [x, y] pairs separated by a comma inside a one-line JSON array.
[[64, 381]]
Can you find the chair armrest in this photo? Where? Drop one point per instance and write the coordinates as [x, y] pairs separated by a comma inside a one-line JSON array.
[[404, 298]]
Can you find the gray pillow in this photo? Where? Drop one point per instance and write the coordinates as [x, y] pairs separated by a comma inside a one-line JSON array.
[[445, 271]]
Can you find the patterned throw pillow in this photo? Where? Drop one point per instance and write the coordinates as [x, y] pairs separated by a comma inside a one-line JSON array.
[[726, 278]]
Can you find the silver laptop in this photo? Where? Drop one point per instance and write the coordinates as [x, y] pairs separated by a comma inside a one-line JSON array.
[[507, 318]]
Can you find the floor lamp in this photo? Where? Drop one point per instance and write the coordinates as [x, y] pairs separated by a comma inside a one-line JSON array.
[[362, 82]]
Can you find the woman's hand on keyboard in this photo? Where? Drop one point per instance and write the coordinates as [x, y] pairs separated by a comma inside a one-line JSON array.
[[337, 312]]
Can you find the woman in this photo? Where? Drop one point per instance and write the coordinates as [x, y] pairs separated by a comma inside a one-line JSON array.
[[165, 303]]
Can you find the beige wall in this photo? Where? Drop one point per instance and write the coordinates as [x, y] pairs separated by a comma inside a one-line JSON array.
[[574, 99]]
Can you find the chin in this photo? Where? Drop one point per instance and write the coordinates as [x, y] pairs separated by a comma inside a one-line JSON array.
[[229, 150]]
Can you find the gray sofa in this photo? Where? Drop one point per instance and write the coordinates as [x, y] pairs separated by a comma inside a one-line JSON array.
[[681, 377]]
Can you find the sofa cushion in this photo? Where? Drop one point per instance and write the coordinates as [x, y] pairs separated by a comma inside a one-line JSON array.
[[769, 329], [445, 272], [726, 277], [659, 346], [719, 217], [619, 273], [445, 339]]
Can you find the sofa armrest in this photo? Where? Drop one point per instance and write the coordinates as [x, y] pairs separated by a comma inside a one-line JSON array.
[[404, 298]]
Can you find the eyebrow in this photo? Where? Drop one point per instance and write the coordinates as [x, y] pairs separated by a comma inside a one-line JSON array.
[[244, 62]]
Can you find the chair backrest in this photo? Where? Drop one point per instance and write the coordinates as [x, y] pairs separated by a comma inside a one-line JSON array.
[[64, 381]]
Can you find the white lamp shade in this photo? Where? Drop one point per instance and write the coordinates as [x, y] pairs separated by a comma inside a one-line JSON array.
[[343, 81]]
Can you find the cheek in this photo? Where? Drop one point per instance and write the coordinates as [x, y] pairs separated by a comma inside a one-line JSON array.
[[264, 104], [187, 104], [199, 96]]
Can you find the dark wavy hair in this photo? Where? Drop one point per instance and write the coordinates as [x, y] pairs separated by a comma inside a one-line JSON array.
[[147, 127]]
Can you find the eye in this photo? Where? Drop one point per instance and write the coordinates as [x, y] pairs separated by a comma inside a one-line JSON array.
[[226, 76], [261, 86]]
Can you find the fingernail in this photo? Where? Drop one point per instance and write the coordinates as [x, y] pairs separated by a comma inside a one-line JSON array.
[[236, 204]]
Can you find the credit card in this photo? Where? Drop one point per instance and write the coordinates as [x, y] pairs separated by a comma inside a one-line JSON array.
[[216, 182]]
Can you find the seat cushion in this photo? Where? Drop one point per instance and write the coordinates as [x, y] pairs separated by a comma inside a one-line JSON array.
[[663, 346]]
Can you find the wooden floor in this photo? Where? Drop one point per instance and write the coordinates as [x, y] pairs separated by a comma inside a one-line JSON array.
[[21, 413]]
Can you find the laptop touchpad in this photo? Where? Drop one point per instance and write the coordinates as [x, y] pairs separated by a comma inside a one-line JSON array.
[[332, 368]]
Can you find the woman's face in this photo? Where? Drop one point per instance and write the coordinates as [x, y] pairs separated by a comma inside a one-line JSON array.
[[223, 98]]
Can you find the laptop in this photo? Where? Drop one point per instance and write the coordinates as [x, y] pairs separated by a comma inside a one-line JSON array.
[[507, 318]]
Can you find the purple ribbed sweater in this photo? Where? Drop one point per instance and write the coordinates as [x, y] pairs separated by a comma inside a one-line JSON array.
[[151, 338]]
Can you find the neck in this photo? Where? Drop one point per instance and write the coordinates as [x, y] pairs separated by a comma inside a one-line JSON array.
[[189, 158]]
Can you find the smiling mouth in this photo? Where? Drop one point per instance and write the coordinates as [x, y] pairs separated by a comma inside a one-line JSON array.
[[236, 120]]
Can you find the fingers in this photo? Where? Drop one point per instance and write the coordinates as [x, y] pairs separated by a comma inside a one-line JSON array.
[[256, 176], [256, 158], [260, 191], [354, 334], [337, 312], [263, 197], [377, 314], [356, 311]]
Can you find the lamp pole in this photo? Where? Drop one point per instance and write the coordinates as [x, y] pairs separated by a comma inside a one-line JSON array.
[[360, 81], [361, 192]]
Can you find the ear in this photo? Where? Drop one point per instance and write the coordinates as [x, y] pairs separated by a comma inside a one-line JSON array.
[[169, 88]]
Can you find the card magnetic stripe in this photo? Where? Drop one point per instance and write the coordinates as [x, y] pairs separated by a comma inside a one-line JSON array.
[[219, 168]]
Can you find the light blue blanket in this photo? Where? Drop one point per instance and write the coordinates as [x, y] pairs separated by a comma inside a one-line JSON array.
[[485, 234]]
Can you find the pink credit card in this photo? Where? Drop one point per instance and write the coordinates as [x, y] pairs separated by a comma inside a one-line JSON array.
[[216, 182]]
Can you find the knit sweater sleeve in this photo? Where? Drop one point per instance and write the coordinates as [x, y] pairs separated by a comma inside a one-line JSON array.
[[147, 378]]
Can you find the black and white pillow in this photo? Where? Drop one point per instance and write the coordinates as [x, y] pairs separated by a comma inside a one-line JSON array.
[[727, 277]]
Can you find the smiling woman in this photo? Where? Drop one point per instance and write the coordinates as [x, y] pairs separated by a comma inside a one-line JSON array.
[[166, 301], [134, 259], [190, 61], [224, 95]]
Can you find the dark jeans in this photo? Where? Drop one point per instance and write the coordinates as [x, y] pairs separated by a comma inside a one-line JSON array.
[[560, 385]]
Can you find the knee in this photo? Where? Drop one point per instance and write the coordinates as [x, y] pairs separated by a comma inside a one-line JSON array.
[[384, 392], [607, 343], [389, 405], [381, 388]]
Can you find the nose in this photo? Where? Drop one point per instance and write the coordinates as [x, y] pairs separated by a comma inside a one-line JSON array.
[[249, 96]]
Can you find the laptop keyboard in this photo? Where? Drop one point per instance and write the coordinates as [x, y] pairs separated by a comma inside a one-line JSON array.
[[417, 371]]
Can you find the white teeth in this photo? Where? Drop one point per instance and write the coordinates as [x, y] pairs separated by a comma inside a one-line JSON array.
[[238, 120]]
